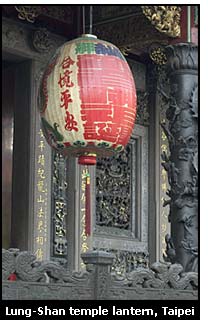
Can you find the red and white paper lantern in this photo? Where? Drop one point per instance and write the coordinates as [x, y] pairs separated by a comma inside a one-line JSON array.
[[88, 99]]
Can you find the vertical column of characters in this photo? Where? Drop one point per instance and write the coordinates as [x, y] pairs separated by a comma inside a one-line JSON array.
[[40, 222], [65, 83]]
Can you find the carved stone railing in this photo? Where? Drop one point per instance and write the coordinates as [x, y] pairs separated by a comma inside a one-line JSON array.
[[47, 280]]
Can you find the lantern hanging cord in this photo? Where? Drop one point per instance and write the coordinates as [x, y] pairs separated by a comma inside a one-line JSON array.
[[90, 19], [189, 24], [83, 19]]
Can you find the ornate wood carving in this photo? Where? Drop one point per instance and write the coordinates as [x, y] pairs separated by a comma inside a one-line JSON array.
[[182, 163], [166, 19], [127, 261], [142, 116], [113, 191], [163, 83], [157, 54], [103, 13], [30, 13], [133, 33], [19, 38], [62, 13], [11, 36], [136, 236], [59, 202], [41, 41]]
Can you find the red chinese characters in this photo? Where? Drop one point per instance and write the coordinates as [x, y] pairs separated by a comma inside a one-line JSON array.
[[67, 62], [65, 83], [70, 122], [65, 99], [65, 79]]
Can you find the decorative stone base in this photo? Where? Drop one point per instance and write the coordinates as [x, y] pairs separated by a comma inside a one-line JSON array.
[[47, 280]]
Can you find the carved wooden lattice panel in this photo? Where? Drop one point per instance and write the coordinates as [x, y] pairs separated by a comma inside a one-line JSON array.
[[113, 190], [121, 212], [59, 205]]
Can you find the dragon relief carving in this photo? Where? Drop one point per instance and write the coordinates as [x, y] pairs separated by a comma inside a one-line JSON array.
[[181, 164], [27, 268], [186, 147], [159, 276]]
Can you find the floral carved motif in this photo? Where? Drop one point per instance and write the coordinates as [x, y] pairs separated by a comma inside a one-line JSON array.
[[41, 41], [28, 13]]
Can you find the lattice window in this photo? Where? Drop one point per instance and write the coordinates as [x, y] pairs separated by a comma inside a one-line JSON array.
[[113, 190]]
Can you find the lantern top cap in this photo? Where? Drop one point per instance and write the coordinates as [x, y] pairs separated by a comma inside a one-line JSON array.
[[88, 36]]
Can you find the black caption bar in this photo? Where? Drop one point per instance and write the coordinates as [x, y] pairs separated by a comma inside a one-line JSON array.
[[100, 310]]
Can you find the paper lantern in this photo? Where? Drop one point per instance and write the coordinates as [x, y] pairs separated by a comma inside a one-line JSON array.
[[88, 99]]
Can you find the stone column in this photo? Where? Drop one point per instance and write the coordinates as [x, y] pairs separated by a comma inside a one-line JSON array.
[[99, 262], [182, 164]]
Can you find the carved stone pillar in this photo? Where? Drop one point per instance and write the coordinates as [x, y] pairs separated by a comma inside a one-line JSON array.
[[182, 164], [99, 262]]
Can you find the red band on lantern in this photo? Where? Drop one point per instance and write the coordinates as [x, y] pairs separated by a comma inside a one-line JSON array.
[[89, 159]]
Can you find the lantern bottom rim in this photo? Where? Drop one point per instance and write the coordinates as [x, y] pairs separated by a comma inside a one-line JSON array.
[[87, 159]]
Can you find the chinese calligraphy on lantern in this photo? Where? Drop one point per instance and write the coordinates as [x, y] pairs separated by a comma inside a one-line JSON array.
[[65, 83], [41, 200]]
